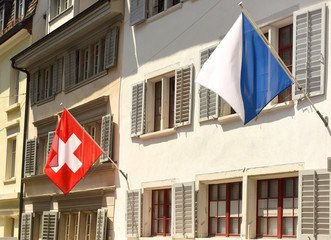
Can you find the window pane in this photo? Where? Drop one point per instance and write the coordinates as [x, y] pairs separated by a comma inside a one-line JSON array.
[[234, 189], [155, 197], [222, 192], [161, 212], [272, 207], [169, 196], [222, 209], [169, 211], [272, 226], [160, 223], [234, 226], [285, 36], [262, 211], [155, 226], [288, 206], [172, 102], [262, 226], [213, 209], [155, 211], [273, 188], [221, 225], [287, 226], [286, 56], [157, 110], [213, 192], [213, 225], [288, 187], [168, 227], [234, 207], [295, 225], [295, 207], [295, 187], [161, 197], [263, 189]]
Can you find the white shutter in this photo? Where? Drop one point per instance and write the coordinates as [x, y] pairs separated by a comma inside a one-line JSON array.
[[49, 226], [137, 11], [111, 46], [314, 205], [183, 202], [106, 137], [133, 213], [309, 50], [101, 231], [50, 141], [138, 109], [183, 95], [26, 226], [30, 157]]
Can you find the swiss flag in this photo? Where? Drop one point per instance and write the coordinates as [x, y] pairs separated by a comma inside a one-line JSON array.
[[72, 154]]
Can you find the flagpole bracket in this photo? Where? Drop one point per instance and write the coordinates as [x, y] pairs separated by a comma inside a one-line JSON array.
[[324, 119]]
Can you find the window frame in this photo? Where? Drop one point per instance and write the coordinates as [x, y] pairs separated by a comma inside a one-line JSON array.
[[20, 9], [166, 219], [165, 5], [11, 158], [2, 18]]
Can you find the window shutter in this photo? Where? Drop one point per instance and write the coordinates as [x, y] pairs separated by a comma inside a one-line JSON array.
[[309, 50], [209, 100], [49, 226], [133, 213], [101, 231], [50, 141], [315, 204], [34, 88], [26, 226], [137, 11], [183, 93], [70, 69], [30, 157], [54, 78], [106, 137], [138, 109], [183, 200], [59, 75], [111, 45]]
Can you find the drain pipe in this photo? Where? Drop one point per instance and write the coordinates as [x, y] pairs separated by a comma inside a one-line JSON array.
[[27, 96]]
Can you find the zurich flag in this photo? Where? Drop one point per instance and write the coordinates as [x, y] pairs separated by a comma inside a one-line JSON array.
[[243, 71]]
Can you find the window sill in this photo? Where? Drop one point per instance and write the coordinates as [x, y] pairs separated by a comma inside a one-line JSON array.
[[157, 134], [10, 181], [53, 19], [164, 13], [86, 81], [46, 100], [12, 107], [12, 124], [267, 109]]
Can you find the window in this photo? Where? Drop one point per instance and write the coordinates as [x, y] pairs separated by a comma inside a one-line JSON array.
[[20, 9], [59, 6], [225, 214], [277, 207], [14, 87], [285, 44], [158, 6], [11, 158], [161, 212], [2, 16], [167, 104]]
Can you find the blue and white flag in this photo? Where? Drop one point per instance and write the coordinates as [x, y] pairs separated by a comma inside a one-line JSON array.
[[243, 71]]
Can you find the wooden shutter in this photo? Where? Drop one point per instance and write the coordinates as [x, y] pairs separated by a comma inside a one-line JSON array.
[[54, 78], [315, 205], [137, 11], [50, 141], [138, 109], [133, 213], [26, 226], [70, 69], [209, 100], [309, 50], [106, 137], [49, 226], [30, 157], [59, 75], [111, 46], [183, 202], [101, 231], [34, 87], [183, 95]]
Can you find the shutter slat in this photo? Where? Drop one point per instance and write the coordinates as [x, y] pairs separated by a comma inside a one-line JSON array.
[[101, 228], [49, 225], [30, 157], [111, 46], [50, 141], [106, 137], [133, 213], [26, 226], [137, 109]]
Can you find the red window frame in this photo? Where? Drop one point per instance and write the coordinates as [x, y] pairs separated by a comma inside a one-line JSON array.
[[161, 203], [157, 106], [227, 216], [281, 50], [281, 195]]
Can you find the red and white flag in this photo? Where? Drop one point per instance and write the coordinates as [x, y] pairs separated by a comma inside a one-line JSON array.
[[72, 154]]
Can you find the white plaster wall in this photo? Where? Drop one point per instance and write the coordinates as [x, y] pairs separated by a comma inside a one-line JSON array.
[[284, 136]]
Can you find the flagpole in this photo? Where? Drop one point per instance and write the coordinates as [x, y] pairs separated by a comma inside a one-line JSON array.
[[125, 175], [281, 62]]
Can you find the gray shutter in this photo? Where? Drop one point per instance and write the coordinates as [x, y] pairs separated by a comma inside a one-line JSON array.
[[54, 78], [138, 109], [209, 100], [50, 141], [30, 157], [133, 213], [70, 69], [137, 11], [26, 226], [59, 75], [101, 231], [34, 88], [183, 95], [314, 205], [111, 46], [183, 202], [106, 137], [309, 50], [49, 226]]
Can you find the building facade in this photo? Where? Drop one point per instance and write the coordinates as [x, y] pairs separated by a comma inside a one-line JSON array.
[[194, 170], [75, 63], [16, 19]]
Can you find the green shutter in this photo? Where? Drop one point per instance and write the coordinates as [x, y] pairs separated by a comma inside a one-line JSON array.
[[106, 137], [30, 157], [49, 226], [26, 226], [101, 231]]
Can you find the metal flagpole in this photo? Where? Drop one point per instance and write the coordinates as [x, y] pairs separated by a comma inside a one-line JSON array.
[[274, 52]]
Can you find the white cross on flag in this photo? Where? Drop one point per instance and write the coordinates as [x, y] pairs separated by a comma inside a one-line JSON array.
[[72, 154]]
